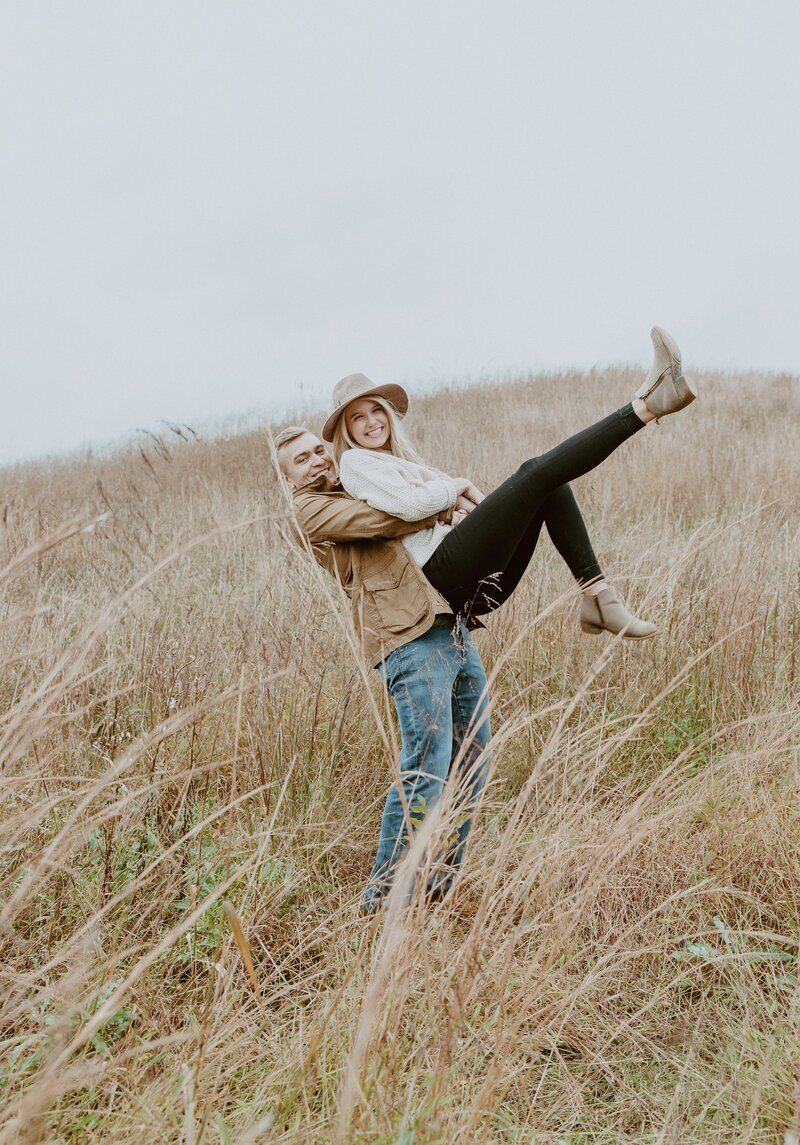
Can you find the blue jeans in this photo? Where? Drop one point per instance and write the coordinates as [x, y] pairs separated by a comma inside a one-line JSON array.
[[438, 686]]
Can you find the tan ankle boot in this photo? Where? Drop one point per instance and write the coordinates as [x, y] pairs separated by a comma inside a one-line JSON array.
[[606, 612], [665, 389]]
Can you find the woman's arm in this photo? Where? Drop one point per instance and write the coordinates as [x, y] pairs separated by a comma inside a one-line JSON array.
[[391, 484]]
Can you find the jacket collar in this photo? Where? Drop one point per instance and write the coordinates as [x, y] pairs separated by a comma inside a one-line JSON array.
[[318, 485]]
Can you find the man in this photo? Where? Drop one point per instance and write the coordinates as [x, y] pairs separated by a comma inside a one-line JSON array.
[[424, 654]]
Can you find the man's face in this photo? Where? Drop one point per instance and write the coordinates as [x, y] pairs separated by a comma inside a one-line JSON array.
[[305, 459]]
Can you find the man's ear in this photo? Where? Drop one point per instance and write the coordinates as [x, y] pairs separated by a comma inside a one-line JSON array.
[[284, 475]]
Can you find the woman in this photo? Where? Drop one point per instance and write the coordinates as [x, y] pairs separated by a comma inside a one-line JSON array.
[[477, 560]]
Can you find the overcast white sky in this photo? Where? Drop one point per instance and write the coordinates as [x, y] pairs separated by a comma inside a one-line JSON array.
[[207, 208]]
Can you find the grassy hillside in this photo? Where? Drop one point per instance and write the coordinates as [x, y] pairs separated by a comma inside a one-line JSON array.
[[193, 770]]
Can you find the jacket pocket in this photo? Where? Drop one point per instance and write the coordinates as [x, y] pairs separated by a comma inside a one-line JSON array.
[[392, 600], [382, 581]]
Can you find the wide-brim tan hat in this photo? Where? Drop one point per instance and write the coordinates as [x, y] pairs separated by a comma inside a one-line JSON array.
[[359, 386]]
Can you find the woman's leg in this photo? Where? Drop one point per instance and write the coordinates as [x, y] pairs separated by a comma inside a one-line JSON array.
[[562, 518], [484, 544], [567, 529]]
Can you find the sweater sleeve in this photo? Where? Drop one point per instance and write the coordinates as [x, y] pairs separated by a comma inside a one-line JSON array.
[[389, 483]]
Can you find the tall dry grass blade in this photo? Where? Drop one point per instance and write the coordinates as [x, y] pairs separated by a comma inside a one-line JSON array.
[[43, 545], [189, 1130], [241, 941], [25, 1122], [397, 922]]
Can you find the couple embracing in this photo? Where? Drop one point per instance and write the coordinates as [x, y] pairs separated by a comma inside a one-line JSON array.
[[423, 556]]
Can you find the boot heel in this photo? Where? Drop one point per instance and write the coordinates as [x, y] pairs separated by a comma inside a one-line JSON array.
[[592, 629], [685, 389]]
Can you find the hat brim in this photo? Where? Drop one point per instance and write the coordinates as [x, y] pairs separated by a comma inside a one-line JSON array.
[[395, 395]]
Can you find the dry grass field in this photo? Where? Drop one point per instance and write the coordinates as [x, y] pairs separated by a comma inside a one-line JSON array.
[[193, 769]]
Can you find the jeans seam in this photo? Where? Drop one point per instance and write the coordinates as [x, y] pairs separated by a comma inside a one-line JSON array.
[[401, 683], [469, 726], [478, 705]]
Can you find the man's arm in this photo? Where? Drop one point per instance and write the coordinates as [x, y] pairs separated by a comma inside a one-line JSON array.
[[338, 517]]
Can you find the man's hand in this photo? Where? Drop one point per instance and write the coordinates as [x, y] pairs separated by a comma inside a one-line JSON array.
[[456, 513]]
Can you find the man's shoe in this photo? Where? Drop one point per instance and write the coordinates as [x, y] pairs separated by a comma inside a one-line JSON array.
[[372, 901], [665, 389], [606, 612]]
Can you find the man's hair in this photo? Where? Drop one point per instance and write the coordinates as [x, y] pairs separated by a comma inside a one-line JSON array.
[[289, 434]]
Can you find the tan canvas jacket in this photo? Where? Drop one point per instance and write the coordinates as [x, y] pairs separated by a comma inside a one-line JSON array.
[[392, 600]]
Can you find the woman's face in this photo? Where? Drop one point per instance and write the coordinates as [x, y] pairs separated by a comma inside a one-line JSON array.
[[367, 423]]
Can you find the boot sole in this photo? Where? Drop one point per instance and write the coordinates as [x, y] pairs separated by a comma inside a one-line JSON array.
[[595, 630], [686, 390]]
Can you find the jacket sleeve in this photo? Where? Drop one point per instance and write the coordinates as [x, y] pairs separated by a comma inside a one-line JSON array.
[[384, 484], [338, 517]]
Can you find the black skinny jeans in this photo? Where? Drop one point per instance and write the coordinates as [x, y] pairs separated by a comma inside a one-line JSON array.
[[479, 563]]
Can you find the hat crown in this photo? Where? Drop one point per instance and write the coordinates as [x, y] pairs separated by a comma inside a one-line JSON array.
[[351, 387]]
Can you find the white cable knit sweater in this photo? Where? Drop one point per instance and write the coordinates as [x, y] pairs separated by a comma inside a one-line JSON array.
[[404, 489]]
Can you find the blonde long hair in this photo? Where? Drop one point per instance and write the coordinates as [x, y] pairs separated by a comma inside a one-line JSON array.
[[399, 443]]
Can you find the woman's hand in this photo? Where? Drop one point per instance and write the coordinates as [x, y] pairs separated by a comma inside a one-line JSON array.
[[472, 494], [464, 504], [471, 497]]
